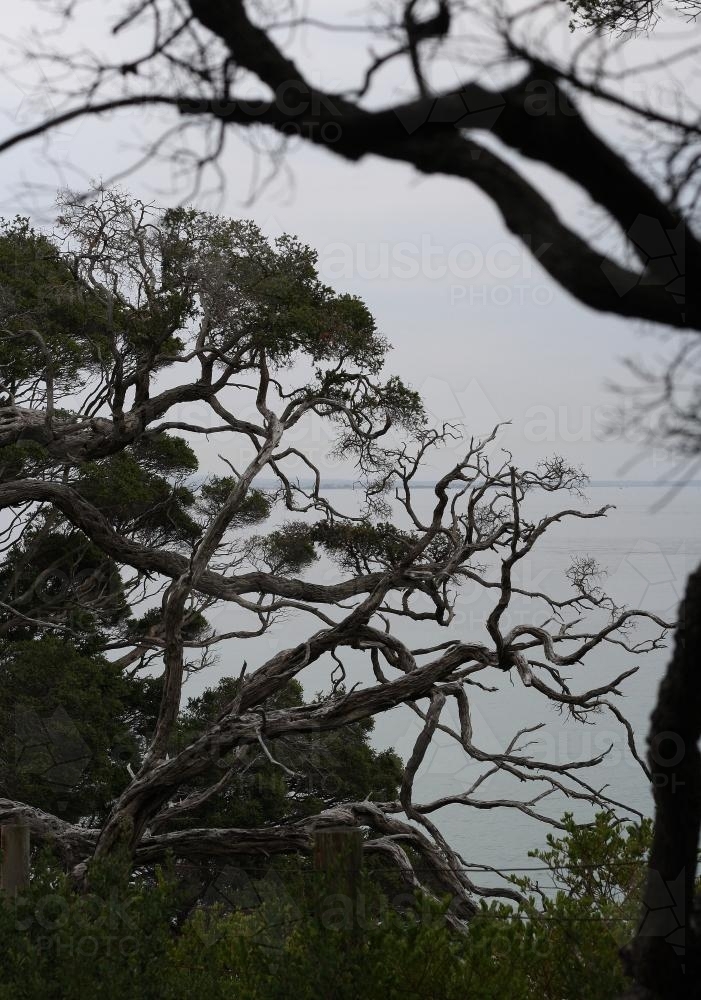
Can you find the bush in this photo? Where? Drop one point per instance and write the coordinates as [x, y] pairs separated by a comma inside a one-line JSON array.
[[130, 937]]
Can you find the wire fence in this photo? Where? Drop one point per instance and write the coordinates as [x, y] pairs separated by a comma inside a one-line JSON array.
[[479, 869]]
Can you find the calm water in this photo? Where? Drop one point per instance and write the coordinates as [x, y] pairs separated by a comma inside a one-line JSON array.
[[647, 556]]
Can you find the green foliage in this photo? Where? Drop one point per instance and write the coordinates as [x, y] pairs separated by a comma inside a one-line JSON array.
[[70, 722], [254, 508], [139, 501], [356, 546], [55, 575], [396, 402], [173, 266], [21, 460], [263, 294], [569, 944], [138, 938], [165, 454], [123, 285], [325, 767], [120, 940], [600, 861], [289, 549], [386, 403], [39, 291], [195, 625], [114, 941]]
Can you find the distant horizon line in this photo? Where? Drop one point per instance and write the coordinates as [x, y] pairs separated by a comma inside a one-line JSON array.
[[340, 484]]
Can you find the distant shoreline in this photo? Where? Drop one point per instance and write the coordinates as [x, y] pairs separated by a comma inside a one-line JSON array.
[[349, 484]]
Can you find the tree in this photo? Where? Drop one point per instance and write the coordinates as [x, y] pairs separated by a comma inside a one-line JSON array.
[[309, 773], [71, 724], [519, 80], [191, 308], [74, 720], [625, 15]]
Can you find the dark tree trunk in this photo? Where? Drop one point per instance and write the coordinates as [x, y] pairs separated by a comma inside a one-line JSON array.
[[663, 958]]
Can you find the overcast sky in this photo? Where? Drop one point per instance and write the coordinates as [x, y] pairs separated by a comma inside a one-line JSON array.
[[475, 323]]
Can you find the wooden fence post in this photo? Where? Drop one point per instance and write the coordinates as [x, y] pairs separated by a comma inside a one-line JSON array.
[[14, 873], [338, 858]]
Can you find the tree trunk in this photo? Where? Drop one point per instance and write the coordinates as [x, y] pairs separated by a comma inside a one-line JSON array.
[[14, 843], [663, 958]]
